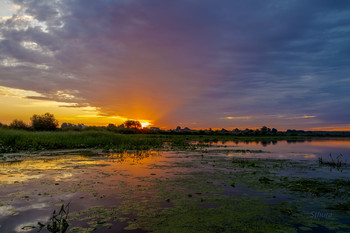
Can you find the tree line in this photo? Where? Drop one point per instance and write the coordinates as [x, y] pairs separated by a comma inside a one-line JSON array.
[[48, 122], [44, 122]]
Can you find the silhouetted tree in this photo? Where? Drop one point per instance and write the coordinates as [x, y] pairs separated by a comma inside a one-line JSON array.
[[264, 130], [236, 130], [65, 125], [130, 124], [274, 131], [18, 124], [46, 121], [111, 126]]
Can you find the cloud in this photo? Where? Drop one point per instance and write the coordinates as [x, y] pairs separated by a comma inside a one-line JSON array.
[[184, 61], [238, 118]]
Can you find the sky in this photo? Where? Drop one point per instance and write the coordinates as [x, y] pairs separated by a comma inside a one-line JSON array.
[[195, 63]]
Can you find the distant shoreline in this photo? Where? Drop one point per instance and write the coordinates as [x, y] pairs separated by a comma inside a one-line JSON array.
[[15, 141]]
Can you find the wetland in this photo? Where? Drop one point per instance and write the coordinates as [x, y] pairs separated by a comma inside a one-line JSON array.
[[197, 186]]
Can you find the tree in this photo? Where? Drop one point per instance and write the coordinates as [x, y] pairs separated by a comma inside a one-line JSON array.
[[43, 122], [130, 124], [112, 127], [65, 125], [274, 131], [264, 130], [18, 124]]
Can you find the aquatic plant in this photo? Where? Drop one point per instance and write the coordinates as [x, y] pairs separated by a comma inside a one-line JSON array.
[[332, 188], [337, 163], [265, 180], [244, 163], [58, 222], [343, 206]]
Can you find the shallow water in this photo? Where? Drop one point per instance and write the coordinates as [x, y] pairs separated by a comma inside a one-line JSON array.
[[205, 190], [294, 149]]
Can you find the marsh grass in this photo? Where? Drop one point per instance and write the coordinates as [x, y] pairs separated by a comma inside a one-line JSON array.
[[18, 140]]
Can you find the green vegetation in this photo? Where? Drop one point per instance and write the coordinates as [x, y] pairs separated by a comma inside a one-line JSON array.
[[19, 140], [58, 221], [14, 140], [45, 122], [244, 162], [331, 188], [18, 124], [340, 206], [130, 124]]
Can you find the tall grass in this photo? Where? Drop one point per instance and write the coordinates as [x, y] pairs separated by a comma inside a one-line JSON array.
[[19, 140], [12, 140]]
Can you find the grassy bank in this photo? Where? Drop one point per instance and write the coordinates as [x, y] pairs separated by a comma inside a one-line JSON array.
[[20, 140], [17, 140]]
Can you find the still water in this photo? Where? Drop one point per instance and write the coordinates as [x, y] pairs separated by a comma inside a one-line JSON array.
[[297, 149], [204, 190]]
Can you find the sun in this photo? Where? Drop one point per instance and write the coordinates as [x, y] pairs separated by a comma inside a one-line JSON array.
[[145, 124]]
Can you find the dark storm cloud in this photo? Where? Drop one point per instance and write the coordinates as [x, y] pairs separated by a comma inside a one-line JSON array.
[[187, 61]]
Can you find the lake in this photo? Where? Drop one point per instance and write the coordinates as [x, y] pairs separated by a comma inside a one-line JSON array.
[[252, 186]]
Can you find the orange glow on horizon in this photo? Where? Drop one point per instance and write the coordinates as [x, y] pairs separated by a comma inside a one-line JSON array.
[[331, 129], [145, 124], [15, 104]]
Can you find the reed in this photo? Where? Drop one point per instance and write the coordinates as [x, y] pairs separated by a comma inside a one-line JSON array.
[[20, 140]]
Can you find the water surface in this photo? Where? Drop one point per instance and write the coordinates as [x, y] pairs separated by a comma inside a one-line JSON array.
[[204, 190]]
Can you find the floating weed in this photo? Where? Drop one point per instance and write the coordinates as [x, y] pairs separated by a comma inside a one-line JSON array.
[[233, 151], [265, 180], [343, 206], [245, 163], [82, 229], [333, 188]]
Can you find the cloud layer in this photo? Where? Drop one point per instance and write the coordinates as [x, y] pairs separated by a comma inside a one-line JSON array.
[[199, 63]]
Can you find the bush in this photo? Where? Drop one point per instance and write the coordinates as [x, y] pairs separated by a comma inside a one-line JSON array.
[[18, 124], [45, 122], [130, 124]]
